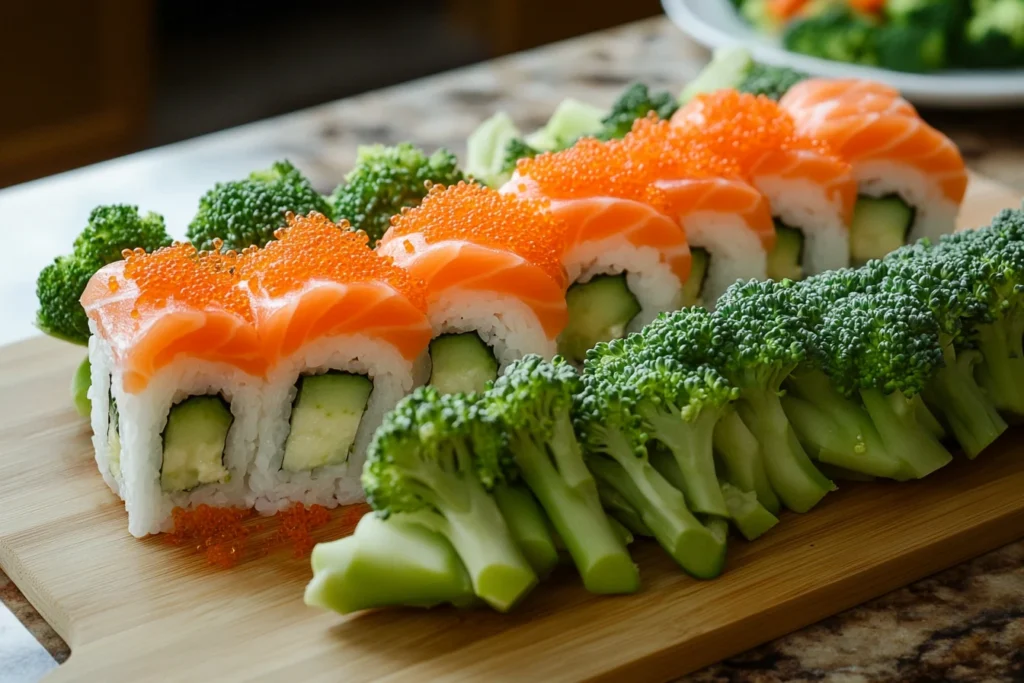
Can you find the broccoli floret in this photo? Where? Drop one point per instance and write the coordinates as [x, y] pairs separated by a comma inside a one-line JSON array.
[[635, 103], [516, 149], [991, 260], [532, 400], [242, 213], [919, 35], [994, 36], [824, 399], [762, 339], [109, 231], [433, 459], [837, 34], [387, 563], [386, 180], [770, 81], [614, 442]]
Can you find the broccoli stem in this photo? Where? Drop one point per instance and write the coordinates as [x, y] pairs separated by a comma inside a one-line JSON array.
[[623, 534], [528, 526], [743, 460], [471, 521], [621, 511], [690, 443], [80, 388], [1001, 371], [387, 563], [600, 555], [971, 416], [896, 418], [838, 430], [926, 418], [697, 549], [792, 474], [747, 514]]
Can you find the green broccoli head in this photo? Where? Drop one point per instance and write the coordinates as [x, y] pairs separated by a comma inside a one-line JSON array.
[[838, 34], [602, 410], [770, 81], [109, 231], [994, 36], [386, 180], [242, 213], [636, 102], [516, 149], [533, 394]]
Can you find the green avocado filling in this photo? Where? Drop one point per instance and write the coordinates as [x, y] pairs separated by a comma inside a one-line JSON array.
[[326, 414]]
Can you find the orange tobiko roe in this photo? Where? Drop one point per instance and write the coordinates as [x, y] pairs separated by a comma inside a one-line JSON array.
[[481, 215], [742, 128], [661, 151], [315, 248], [219, 532], [198, 279]]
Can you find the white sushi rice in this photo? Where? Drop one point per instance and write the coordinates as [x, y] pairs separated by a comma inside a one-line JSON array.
[[101, 361], [648, 276], [803, 204], [734, 251], [935, 214], [504, 323], [143, 417], [274, 488]]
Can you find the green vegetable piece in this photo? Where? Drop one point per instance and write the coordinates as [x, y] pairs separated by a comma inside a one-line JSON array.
[[838, 34], [461, 363], [571, 119], [600, 309], [487, 150], [635, 103], [786, 260], [194, 441], [750, 517], [242, 213], [325, 419], [529, 527], [80, 388], [387, 563], [879, 226]]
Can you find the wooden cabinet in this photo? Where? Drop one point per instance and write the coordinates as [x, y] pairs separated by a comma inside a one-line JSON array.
[[74, 78]]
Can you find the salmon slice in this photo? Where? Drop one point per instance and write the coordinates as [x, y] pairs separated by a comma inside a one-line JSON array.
[[849, 95], [453, 265], [691, 199], [147, 333], [833, 176]]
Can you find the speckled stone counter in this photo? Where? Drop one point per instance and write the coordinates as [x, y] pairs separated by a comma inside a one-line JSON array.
[[964, 624]]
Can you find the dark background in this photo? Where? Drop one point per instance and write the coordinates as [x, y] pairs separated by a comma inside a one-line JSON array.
[[87, 80]]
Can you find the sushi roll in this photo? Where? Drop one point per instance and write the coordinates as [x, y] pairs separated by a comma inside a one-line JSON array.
[[343, 328], [811, 190], [626, 260], [178, 378], [911, 178], [495, 288], [727, 221]]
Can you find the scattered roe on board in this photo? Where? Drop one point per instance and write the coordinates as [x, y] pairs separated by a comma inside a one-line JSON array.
[[483, 216], [313, 247], [743, 127], [194, 278], [297, 522]]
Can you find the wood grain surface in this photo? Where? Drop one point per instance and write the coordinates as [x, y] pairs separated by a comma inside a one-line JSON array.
[[145, 610]]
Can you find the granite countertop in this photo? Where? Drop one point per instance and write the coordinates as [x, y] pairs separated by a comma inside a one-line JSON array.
[[964, 624]]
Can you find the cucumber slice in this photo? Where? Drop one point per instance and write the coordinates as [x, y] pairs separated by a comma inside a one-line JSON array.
[[194, 439], [880, 225], [786, 260], [325, 418], [727, 69], [599, 310], [461, 363], [113, 440], [693, 288], [570, 120], [485, 149]]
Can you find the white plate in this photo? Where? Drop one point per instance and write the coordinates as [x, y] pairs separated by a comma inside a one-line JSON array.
[[714, 23]]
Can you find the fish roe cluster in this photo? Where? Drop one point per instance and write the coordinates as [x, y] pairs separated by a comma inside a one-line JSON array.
[[590, 168], [315, 248], [218, 532], [663, 150], [296, 524], [484, 216], [180, 273], [742, 127]]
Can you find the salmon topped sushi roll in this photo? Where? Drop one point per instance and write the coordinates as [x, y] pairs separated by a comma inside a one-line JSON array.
[[626, 260], [177, 376], [495, 288], [810, 189], [911, 178], [727, 221], [342, 328]]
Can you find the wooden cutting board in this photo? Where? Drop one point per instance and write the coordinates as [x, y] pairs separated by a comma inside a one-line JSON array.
[[145, 610]]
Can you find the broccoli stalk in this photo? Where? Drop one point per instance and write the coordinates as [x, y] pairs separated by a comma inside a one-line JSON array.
[[621, 511], [243, 213], [743, 461], [386, 180], [613, 441], [532, 400], [528, 526], [970, 414], [433, 459], [762, 342], [387, 563]]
